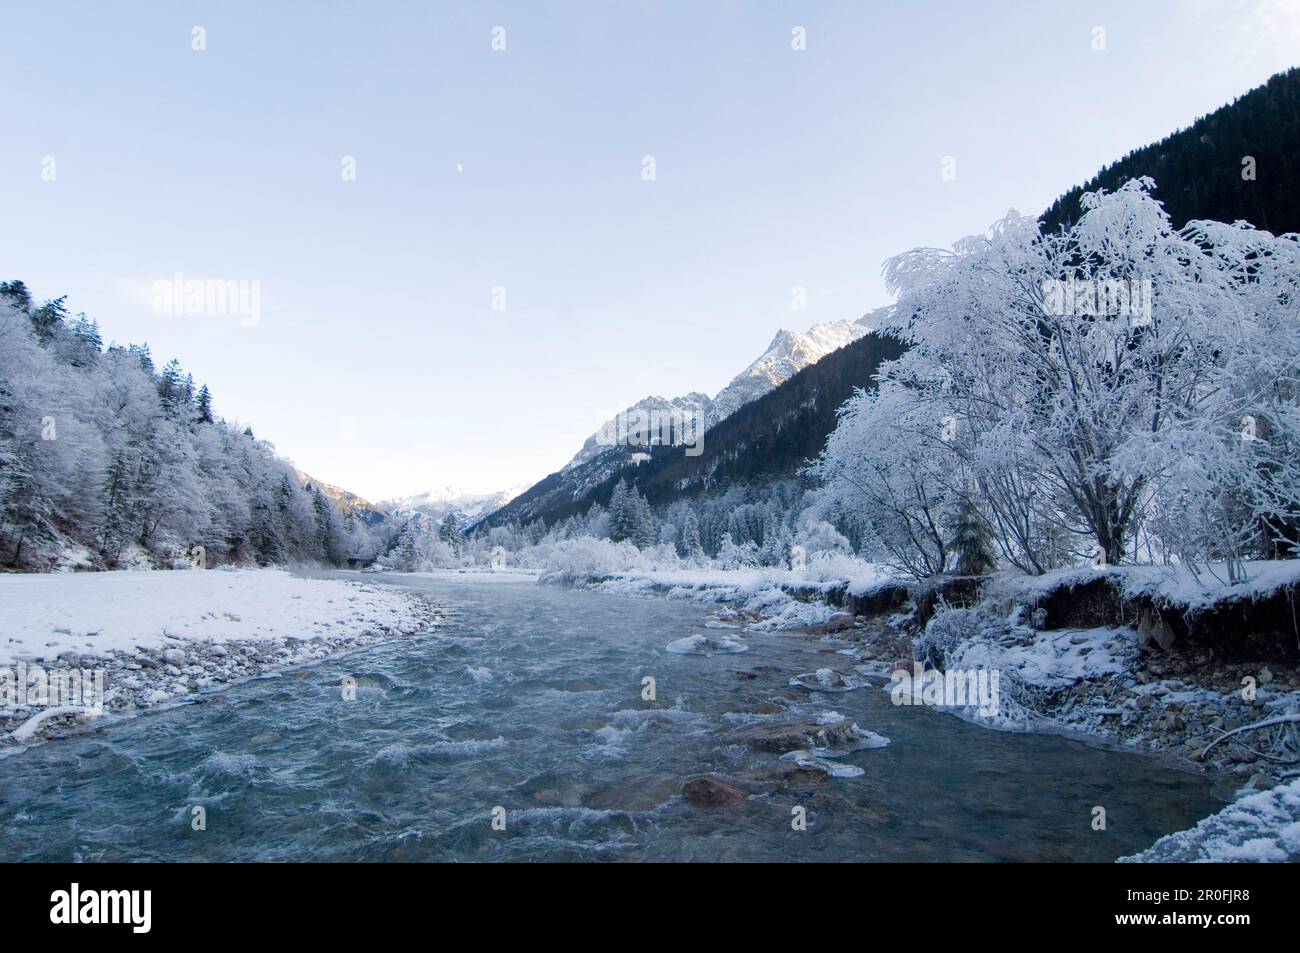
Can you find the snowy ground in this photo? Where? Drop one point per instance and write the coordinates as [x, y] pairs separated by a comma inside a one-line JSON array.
[[761, 597], [1171, 584], [160, 635], [45, 615], [1263, 826]]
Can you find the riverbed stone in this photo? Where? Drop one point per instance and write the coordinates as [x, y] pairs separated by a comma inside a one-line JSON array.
[[708, 791], [840, 622], [793, 736], [805, 774]]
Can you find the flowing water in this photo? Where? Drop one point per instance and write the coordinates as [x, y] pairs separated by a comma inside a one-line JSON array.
[[529, 699]]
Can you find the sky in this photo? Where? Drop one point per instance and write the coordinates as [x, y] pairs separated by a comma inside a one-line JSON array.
[[502, 273]]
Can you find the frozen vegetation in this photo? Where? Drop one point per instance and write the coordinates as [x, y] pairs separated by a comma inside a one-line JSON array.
[[107, 462]]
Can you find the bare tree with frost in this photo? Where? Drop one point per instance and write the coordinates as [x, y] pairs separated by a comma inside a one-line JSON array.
[[1115, 376]]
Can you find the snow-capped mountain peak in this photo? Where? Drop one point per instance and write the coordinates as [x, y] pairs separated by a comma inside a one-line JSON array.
[[788, 354], [441, 500]]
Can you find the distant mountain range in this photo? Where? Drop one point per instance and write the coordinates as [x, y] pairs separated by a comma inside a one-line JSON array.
[[768, 438], [439, 502], [433, 504]]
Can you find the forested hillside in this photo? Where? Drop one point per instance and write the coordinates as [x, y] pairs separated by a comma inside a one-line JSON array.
[[1240, 162], [106, 461]]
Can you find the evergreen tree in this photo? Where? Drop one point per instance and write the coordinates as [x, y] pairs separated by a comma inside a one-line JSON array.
[[621, 517], [141, 352], [171, 387], [15, 294], [86, 343], [48, 320], [406, 552], [644, 531], [203, 405], [266, 538], [971, 542], [691, 548], [117, 529], [450, 533]]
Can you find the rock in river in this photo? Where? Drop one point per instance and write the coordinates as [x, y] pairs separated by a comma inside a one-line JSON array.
[[710, 792]]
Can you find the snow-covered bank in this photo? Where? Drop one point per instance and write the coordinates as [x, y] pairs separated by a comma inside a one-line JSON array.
[[1263, 826], [763, 599], [162, 635]]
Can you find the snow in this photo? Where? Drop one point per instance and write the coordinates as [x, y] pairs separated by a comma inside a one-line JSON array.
[[811, 759], [1172, 584], [92, 614], [703, 645], [860, 577], [761, 592], [440, 501], [1053, 659], [28, 728], [1263, 826], [789, 353]]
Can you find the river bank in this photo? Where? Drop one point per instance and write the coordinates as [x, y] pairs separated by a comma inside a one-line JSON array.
[[144, 639]]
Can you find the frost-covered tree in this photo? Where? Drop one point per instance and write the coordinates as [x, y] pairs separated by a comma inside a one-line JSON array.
[[1085, 383], [105, 462], [691, 548], [886, 460], [449, 532], [732, 555]]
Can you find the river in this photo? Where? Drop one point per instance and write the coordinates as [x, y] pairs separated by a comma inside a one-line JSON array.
[[530, 699]]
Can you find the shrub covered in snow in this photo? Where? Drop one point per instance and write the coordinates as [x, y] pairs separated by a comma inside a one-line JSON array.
[[570, 560]]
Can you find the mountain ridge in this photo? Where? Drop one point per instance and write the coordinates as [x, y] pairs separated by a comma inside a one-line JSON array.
[[788, 353]]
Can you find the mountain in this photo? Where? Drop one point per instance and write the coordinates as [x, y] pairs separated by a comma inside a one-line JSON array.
[[1199, 175], [789, 353], [1202, 171], [696, 404], [345, 501], [768, 438], [440, 501]]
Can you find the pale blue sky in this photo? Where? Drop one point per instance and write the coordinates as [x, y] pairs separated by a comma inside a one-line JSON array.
[[775, 168]]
